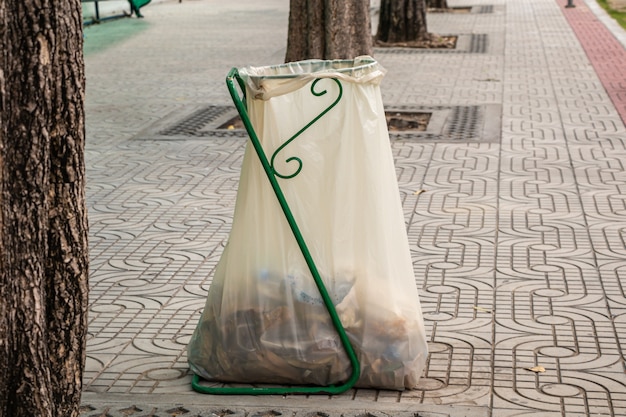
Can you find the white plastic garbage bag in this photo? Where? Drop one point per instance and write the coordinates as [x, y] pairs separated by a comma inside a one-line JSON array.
[[264, 320]]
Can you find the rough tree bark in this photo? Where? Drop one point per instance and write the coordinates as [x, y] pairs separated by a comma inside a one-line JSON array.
[[43, 220], [437, 4], [328, 29], [402, 21]]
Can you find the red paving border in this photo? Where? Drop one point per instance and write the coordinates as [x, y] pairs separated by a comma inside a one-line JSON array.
[[606, 53]]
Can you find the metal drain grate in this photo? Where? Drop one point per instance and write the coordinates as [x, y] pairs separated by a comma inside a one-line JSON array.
[[456, 124], [479, 123], [478, 43], [464, 123], [194, 124], [485, 9]]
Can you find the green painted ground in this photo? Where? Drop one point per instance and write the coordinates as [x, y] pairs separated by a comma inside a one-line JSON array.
[[101, 36]]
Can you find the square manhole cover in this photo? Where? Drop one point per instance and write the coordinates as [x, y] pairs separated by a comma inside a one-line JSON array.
[[478, 123]]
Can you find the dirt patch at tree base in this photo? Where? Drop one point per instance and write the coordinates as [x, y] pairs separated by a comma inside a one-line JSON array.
[[407, 121], [432, 41]]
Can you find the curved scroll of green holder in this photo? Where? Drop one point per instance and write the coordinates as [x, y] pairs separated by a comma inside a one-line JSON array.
[[234, 81]]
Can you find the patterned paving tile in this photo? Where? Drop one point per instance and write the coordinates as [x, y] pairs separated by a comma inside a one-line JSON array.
[[518, 244]]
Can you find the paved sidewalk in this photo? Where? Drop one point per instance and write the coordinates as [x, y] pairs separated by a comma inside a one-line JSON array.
[[515, 203]]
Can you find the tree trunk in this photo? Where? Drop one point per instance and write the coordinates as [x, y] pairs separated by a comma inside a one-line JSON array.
[[402, 21], [328, 29], [437, 4], [43, 221]]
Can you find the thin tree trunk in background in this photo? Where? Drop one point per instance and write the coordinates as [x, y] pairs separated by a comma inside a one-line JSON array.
[[43, 220], [328, 29], [437, 4], [402, 21]]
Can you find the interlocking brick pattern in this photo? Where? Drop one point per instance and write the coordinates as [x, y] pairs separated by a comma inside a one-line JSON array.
[[518, 244], [605, 52]]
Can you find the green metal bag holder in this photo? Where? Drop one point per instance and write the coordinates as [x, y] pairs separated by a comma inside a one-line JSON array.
[[234, 81]]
